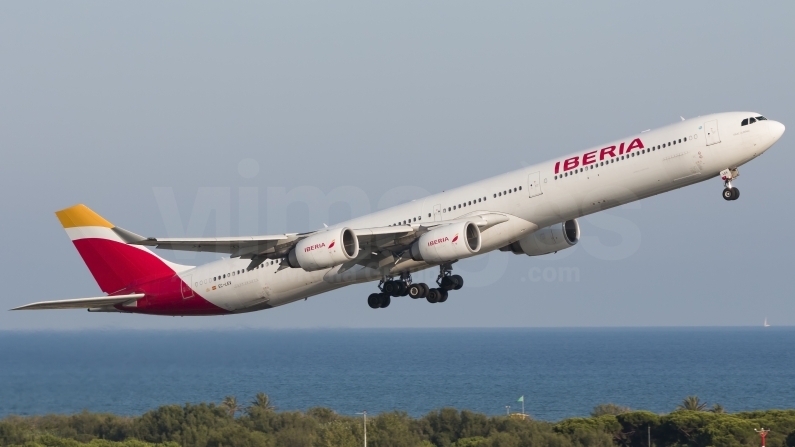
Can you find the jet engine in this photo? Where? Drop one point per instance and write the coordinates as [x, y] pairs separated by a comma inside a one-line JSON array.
[[447, 243], [324, 250], [547, 240]]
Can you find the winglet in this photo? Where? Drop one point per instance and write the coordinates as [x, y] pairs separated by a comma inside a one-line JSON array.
[[81, 216]]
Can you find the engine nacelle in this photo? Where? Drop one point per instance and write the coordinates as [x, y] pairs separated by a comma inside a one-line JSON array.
[[324, 250], [447, 243], [547, 240]]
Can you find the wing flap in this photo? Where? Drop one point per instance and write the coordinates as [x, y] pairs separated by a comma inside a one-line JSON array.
[[82, 303]]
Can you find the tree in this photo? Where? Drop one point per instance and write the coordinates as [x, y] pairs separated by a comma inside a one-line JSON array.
[[231, 405], [603, 409], [263, 402], [790, 439], [717, 408], [692, 403]]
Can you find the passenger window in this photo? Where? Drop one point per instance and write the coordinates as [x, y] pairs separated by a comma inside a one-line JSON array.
[[685, 138], [680, 140], [751, 121], [495, 196], [429, 214]]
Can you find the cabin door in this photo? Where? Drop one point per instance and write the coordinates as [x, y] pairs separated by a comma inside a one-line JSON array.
[[437, 213], [534, 184], [187, 290], [711, 131]]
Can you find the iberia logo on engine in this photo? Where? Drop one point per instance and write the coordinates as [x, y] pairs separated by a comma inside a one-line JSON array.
[[320, 245], [440, 240], [455, 238], [316, 246]]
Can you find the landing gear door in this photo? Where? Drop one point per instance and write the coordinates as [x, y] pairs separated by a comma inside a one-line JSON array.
[[437, 213], [534, 184], [711, 131], [187, 291]]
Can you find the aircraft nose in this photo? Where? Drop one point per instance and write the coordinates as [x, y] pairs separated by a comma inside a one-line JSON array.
[[776, 130]]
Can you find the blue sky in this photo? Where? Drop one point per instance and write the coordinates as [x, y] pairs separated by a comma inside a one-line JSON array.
[[211, 119]]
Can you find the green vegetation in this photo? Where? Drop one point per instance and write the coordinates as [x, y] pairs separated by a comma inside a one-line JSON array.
[[259, 424]]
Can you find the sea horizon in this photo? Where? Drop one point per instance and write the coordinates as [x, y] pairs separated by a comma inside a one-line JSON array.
[[562, 372]]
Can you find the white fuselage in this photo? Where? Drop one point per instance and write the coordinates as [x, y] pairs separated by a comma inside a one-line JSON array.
[[533, 197]]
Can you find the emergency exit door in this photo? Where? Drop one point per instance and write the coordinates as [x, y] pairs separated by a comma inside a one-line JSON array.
[[534, 184]]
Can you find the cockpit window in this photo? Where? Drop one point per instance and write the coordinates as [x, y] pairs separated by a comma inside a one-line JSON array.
[[745, 122], [761, 118], [751, 121]]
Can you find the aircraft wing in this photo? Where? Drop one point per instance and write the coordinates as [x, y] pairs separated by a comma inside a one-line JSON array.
[[82, 303], [260, 248]]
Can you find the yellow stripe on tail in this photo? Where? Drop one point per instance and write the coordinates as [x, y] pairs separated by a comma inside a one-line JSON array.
[[81, 216]]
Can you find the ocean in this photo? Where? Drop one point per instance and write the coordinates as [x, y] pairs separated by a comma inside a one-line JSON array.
[[560, 372]]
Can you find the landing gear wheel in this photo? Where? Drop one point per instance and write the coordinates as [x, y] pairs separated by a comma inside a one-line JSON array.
[[458, 282], [447, 283], [425, 290], [391, 287], [403, 289], [433, 296], [417, 290], [731, 193], [374, 300], [385, 300], [442, 296]]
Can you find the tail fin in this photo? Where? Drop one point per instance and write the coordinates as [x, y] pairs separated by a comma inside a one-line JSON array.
[[114, 264]]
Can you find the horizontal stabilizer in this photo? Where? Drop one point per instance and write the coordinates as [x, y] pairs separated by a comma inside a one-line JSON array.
[[82, 303]]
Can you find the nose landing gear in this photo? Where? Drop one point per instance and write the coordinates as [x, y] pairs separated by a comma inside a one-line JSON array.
[[730, 192]]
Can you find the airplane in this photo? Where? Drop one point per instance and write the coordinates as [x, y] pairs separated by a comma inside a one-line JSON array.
[[531, 211]]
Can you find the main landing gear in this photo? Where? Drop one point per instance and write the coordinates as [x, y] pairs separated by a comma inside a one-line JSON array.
[[404, 287], [730, 192]]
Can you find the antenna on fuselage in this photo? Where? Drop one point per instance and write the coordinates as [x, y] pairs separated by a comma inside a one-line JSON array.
[[683, 118]]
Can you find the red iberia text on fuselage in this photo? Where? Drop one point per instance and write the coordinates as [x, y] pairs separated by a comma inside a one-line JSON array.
[[592, 157]]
